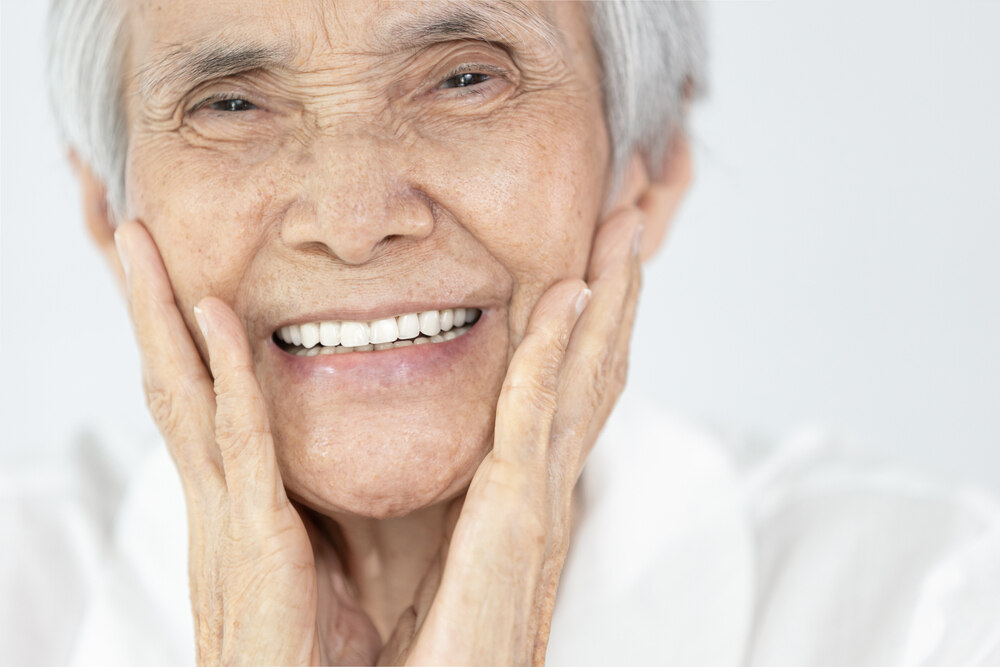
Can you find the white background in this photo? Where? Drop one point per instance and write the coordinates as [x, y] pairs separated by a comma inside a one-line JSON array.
[[836, 263]]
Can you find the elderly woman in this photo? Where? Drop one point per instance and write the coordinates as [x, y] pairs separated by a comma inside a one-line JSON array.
[[382, 261]]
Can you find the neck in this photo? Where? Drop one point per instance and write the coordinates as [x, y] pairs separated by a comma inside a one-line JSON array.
[[386, 559]]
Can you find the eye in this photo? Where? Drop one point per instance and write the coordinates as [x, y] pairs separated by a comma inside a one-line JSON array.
[[465, 80], [231, 105]]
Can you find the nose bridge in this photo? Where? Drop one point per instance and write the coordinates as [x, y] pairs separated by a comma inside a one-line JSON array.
[[351, 174], [358, 193]]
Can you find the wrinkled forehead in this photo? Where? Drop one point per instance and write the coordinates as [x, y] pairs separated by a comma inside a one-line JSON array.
[[174, 44]]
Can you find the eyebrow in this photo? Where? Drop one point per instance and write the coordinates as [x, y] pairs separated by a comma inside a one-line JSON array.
[[507, 21], [185, 68], [487, 22]]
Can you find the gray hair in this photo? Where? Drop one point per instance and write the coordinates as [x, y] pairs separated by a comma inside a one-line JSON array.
[[652, 54]]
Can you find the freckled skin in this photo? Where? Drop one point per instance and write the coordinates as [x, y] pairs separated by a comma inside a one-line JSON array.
[[357, 182]]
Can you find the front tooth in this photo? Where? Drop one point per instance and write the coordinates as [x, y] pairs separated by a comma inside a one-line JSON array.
[[295, 334], [384, 331], [329, 333], [409, 326], [310, 334], [430, 323], [354, 334], [459, 317], [447, 319]]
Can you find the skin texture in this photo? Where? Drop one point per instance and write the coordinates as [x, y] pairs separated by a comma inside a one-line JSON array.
[[334, 501]]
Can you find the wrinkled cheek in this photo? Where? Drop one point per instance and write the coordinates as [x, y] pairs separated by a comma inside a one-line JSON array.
[[535, 207], [205, 217], [533, 194]]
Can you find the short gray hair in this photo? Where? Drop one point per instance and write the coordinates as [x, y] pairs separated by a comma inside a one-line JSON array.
[[652, 54]]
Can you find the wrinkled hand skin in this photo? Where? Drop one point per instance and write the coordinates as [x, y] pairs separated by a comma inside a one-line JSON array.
[[267, 586]]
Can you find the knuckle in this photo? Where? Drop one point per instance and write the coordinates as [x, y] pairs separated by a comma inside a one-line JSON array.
[[228, 381], [170, 406], [598, 380], [161, 406], [236, 441], [529, 390]]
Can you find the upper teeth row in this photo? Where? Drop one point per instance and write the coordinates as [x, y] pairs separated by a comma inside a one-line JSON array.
[[357, 334]]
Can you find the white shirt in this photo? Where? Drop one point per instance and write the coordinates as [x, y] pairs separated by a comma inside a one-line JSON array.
[[694, 549]]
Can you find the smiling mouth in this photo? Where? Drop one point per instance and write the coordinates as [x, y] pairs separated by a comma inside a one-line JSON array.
[[342, 336]]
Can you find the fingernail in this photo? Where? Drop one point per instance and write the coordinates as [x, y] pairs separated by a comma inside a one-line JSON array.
[[199, 316], [582, 299], [120, 245], [637, 239]]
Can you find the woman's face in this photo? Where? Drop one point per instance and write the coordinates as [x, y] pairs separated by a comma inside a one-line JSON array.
[[354, 161]]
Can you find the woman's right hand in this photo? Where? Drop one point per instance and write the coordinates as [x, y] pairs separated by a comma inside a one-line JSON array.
[[266, 584]]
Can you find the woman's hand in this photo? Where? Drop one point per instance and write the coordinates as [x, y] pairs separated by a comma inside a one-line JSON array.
[[266, 585], [489, 597]]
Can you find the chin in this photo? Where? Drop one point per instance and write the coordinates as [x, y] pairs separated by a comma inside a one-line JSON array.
[[401, 464]]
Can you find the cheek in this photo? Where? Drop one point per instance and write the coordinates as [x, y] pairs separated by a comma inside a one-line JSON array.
[[207, 214], [530, 190]]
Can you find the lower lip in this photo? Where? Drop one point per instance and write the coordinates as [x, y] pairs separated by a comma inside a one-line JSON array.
[[395, 366]]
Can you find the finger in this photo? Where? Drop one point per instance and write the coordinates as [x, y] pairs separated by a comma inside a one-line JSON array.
[[615, 242], [528, 397], [596, 358], [177, 385], [241, 426]]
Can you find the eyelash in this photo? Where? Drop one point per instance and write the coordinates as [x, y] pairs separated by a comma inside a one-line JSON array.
[[490, 72], [222, 97]]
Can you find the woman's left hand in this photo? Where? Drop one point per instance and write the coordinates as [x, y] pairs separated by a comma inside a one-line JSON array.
[[489, 597]]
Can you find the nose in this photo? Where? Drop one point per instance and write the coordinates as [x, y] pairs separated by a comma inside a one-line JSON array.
[[357, 198]]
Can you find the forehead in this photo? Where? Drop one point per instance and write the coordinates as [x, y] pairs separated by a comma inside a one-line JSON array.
[[168, 37]]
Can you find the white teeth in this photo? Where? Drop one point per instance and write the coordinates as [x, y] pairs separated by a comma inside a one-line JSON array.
[[329, 334], [432, 326], [430, 323], [354, 334], [384, 331], [409, 326], [310, 335]]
